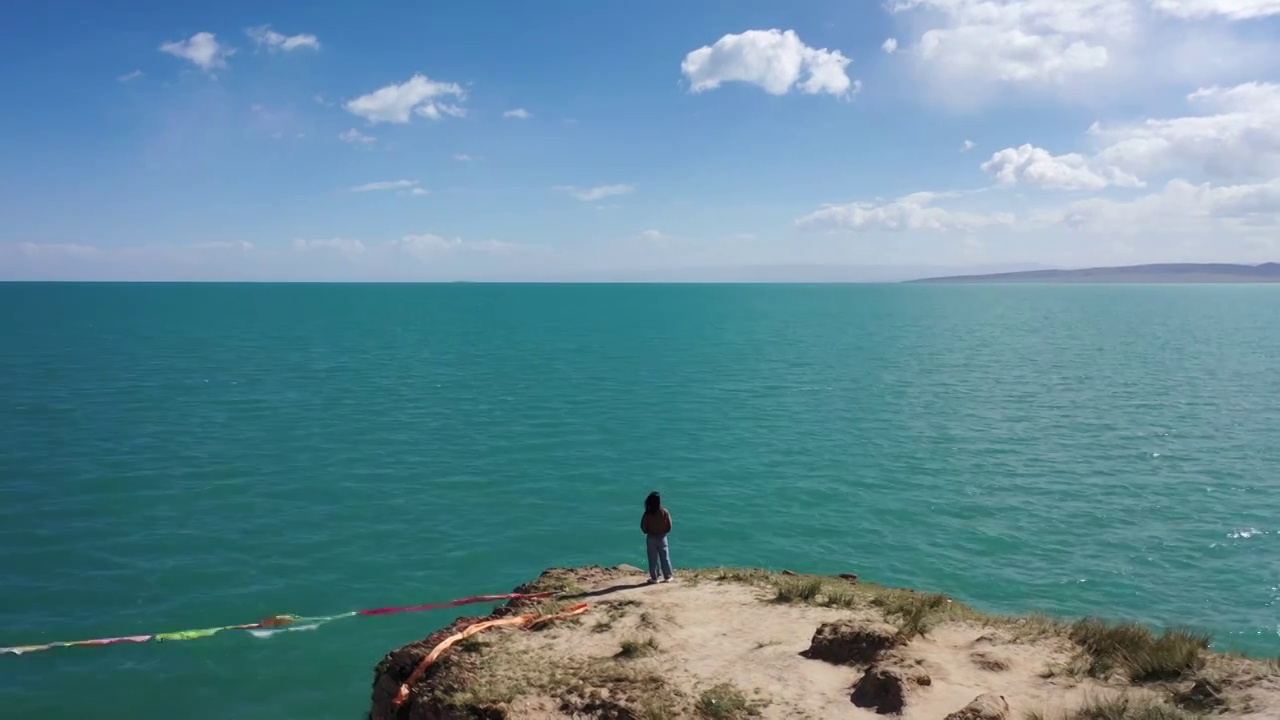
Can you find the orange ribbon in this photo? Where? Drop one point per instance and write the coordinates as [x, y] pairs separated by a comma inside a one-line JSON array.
[[438, 650]]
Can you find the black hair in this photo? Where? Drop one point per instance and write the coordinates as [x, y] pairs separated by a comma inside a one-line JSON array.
[[653, 503]]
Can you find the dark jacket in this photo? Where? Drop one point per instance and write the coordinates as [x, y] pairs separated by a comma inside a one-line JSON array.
[[656, 523]]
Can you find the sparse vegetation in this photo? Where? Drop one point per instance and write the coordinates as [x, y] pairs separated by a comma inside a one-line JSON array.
[[633, 648], [1123, 707], [1137, 652], [484, 695], [487, 677], [916, 612], [797, 589], [657, 708], [473, 644], [725, 702]]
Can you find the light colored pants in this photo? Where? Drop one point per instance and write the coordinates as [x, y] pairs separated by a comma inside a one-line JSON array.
[[659, 555]]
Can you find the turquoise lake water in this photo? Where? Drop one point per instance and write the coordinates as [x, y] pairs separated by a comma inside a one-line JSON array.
[[186, 456]]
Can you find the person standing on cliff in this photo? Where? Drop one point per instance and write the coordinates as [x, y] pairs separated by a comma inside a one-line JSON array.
[[656, 523]]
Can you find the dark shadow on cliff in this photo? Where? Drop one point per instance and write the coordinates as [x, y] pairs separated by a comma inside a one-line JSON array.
[[605, 591]]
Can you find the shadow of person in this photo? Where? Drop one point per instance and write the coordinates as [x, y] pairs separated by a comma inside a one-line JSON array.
[[606, 591]]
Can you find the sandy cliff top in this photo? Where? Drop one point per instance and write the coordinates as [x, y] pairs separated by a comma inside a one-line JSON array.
[[724, 644]]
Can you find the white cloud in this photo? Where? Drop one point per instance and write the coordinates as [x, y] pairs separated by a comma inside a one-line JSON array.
[[396, 103], [597, 193], [385, 185], [518, 114], [890, 46], [435, 111], [1027, 41], [264, 36], [128, 77], [463, 157], [968, 52], [774, 60], [653, 236], [345, 246], [429, 245], [355, 136], [1180, 207], [419, 191], [1237, 137], [202, 49], [1231, 9], [915, 212], [1037, 166], [967, 146]]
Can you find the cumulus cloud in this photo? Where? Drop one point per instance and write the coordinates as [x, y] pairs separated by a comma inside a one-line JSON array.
[[1037, 166], [1180, 207], [202, 49], [915, 212], [890, 46], [968, 52], [1237, 136], [596, 193], [1231, 9], [967, 146], [518, 114], [264, 36], [1234, 137], [355, 136], [397, 103], [775, 60], [345, 246], [1023, 41], [385, 185]]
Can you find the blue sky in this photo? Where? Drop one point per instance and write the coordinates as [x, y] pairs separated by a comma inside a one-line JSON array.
[[580, 140]]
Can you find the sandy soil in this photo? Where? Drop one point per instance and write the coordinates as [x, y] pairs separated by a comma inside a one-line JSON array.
[[690, 636]]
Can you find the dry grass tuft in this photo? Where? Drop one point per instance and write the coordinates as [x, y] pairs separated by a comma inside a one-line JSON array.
[[916, 612], [725, 702], [1141, 655], [797, 589], [1120, 708], [633, 648]]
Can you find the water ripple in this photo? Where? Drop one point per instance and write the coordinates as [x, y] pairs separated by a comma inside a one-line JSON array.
[[184, 456]]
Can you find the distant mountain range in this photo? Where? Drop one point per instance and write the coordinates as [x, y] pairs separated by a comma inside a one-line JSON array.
[[1166, 273]]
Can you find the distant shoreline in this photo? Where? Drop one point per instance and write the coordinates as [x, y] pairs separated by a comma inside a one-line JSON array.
[[1194, 273], [1169, 273]]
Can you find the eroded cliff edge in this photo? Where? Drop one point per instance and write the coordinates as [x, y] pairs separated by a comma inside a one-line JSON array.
[[749, 643]]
